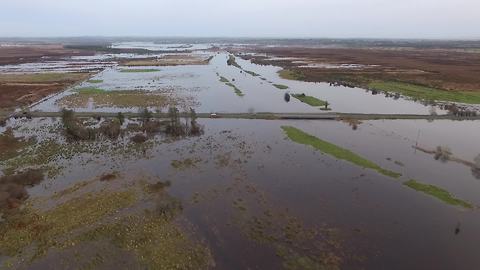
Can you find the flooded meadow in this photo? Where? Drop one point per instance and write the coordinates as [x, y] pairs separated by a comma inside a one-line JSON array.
[[186, 192]]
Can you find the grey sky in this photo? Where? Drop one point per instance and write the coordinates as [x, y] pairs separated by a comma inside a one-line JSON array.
[[243, 18]]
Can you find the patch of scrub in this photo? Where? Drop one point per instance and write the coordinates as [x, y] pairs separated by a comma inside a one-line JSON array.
[[233, 62], [426, 93], [301, 137], [281, 86], [138, 70], [438, 193], [10, 146], [312, 101]]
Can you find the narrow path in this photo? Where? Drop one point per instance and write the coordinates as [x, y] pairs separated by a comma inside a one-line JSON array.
[[265, 116]]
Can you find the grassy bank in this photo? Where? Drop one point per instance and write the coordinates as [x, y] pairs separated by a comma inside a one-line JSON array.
[[426, 93], [438, 193], [301, 137]]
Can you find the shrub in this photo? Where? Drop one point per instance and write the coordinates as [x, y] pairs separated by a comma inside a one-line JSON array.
[[139, 138], [442, 153]]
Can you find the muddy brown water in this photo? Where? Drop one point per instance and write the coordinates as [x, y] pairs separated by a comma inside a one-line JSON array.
[[378, 222]]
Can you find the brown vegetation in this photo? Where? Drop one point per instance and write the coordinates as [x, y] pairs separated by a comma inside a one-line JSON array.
[[438, 68], [9, 145], [13, 188], [108, 177], [25, 89], [34, 53]]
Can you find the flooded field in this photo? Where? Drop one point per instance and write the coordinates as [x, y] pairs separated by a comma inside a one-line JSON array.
[[186, 193], [261, 88]]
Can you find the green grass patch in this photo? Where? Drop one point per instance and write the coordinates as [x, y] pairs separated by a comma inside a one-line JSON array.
[[139, 70], [312, 101], [237, 91], [252, 73], [301, 137], [90, 90], [281, 86], [95, 81], [438, 193], [291, 75], [224, 80], [426, 93]]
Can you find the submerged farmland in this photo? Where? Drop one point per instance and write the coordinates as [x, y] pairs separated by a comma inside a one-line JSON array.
[[132, 166]]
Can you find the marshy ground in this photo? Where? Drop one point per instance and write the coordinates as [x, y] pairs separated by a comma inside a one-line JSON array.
[[134, 191]]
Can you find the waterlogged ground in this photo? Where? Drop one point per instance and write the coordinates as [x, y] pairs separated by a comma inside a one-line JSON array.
[[232, 194], [243, 195]]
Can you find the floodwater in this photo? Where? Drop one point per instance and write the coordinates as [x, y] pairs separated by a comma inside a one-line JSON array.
[[201, 83], [377, 221], [256, 199]]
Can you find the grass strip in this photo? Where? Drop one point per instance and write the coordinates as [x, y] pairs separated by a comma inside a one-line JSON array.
[[301, 137], [237, 91], [252, 73], [95, 81], [281, 86], [438, 193]]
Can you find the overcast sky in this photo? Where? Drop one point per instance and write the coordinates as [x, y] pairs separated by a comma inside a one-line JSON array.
[[242, 18]]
